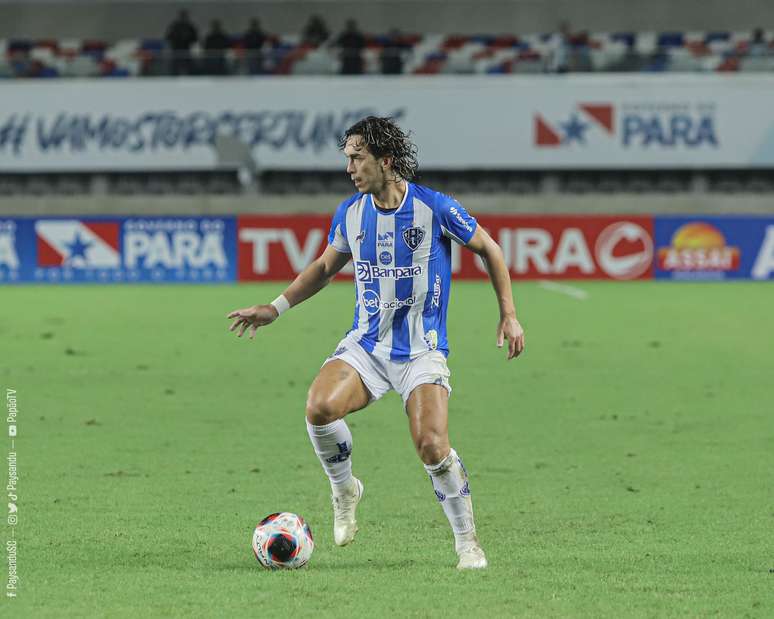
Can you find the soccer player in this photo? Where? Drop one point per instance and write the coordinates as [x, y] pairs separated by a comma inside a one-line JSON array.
[[399, 235]]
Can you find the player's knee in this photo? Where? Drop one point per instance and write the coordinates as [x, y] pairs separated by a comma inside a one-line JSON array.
[[322, 409], [432, 447]]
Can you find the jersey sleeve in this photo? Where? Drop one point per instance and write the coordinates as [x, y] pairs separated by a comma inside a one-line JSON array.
[[337, 237], [456, 222]]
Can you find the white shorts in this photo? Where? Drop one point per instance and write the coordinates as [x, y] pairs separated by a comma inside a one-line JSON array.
[[381, 375]]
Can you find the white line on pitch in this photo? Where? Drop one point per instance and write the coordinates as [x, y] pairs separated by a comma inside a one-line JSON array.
[[570, 291]]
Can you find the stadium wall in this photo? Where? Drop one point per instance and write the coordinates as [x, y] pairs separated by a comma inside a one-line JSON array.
[[207, 250], [112, 19], [323, 204], [499, 122]]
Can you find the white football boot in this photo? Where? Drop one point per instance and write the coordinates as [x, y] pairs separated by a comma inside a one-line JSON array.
[[344, 505], [472, 557]]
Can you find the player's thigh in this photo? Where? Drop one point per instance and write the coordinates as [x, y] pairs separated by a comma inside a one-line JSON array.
[[428, 413], [336, 391]]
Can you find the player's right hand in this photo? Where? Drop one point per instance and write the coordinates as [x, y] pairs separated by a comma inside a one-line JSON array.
[[252, 318]]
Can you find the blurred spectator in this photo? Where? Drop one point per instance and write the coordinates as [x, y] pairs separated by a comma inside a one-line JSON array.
[[758, 45], [630, 62], [352, 42], [181, 35], [658, 61], [391, 58], [215, 45], [253, 41], [315, 32], [580, 53], [559, 56]]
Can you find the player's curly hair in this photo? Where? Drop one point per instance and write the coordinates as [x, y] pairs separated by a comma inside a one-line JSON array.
[[383, 137]]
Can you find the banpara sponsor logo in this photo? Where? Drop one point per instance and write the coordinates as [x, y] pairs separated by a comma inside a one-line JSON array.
[[366, 272]]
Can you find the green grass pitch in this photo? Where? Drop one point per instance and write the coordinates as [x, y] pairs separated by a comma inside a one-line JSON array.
[[622, 467]]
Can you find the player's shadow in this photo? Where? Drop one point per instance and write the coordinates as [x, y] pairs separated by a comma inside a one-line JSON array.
[[343, 564]]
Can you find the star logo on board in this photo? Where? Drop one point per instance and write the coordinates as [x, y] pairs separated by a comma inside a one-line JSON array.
[[594, 117]]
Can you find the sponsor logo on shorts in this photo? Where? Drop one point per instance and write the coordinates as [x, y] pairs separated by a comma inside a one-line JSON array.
[[367, 272], [372, 303]]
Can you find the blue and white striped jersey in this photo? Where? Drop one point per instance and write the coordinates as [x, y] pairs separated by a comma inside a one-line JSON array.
[[402, 261]]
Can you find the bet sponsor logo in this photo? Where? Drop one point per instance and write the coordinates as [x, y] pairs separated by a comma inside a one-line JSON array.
[[698, 247], [373, 304], [385, 257]]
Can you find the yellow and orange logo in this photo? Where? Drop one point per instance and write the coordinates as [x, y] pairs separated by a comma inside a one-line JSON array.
[[698, 246]]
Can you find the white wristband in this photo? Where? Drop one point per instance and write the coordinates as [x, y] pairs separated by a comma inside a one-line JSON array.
[[281, 304]]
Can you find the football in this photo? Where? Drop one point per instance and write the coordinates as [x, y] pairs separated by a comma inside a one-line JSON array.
[[283, 541]]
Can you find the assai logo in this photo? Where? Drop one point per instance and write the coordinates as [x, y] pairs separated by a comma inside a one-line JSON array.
[[77, 244], [633, 125], [698, 247], [366, 272]]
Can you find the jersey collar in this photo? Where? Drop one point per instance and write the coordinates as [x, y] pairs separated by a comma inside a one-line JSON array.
[[382, 211]]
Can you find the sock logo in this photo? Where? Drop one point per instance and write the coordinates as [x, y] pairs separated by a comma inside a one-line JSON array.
[[465, 490], [344, 453], [441, 496]]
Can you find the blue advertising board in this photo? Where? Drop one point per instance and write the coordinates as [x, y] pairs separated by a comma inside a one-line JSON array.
[[714, 247], [77, 250]]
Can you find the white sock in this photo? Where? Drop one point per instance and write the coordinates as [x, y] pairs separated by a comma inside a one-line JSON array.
[[450, 482], [333, 445]]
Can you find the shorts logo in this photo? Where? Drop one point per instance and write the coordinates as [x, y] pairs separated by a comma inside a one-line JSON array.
[[372, 303], [413, 237], [366, 272], [385, 257], [339, 351]]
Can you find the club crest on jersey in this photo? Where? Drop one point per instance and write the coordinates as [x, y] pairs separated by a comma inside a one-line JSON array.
[[413, 237]]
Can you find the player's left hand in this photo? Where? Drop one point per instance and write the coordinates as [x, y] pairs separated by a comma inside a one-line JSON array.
[[510, 328], [252, 318]]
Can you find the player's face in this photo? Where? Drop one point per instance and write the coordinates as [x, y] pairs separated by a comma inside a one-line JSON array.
[[366, 171]]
